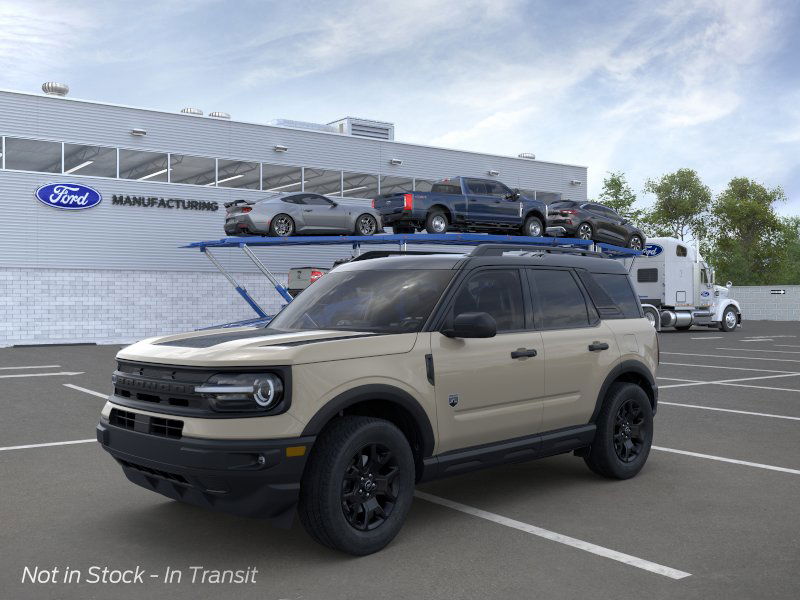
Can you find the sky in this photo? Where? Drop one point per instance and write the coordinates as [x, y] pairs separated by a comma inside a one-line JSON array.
[[639, 87]]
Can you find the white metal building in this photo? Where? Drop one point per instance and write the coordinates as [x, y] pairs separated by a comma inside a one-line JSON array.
[[114, 272]]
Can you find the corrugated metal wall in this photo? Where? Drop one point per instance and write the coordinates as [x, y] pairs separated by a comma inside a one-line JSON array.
[[125, 237]]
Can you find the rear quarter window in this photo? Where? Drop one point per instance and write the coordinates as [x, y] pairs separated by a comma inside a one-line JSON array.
[[613, 295]]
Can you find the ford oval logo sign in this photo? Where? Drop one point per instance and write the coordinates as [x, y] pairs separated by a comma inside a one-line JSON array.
[[652, 250], [68, 196]]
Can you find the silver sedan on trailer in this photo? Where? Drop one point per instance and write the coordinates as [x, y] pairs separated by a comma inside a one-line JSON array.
[[300, 213]]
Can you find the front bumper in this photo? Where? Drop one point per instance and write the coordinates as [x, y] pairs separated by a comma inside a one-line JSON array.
[[252, 478]]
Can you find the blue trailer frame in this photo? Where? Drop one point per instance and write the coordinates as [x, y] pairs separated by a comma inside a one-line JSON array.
[[401, 240]]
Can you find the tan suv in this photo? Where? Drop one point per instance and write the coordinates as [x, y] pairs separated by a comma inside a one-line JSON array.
[[385, 373]]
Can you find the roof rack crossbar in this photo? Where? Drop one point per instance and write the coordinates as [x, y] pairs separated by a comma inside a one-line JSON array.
[[500, 249]]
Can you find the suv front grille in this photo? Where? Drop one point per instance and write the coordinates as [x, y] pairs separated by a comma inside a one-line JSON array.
[[168, 428], [157, 472]]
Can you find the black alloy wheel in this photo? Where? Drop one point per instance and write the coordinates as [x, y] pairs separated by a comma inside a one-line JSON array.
[[366, 225], [585, 231], [370, 487], [281, 226], [628, 432]]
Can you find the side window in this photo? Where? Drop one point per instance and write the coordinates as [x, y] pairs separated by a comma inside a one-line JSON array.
[[704, 276], [559, 299], [300, 199], [476, 186], [617, 286], [496, 292], [495, 188], [681, 251], [315, 200]]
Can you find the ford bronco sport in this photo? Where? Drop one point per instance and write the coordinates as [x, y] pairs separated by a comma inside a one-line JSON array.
[[386, 373]]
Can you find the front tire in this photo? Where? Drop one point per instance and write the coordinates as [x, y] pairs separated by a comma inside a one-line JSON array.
[[635, 243], [533, 227], [729, 320], [281, 226], [436, 222], [584, 232], [624, 433], [366, 224], [358, 485]]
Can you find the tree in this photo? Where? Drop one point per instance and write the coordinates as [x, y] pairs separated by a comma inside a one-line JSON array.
[[617, 194], [750, 242], [681, 205]]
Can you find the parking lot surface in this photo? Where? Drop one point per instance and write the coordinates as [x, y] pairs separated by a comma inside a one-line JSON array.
[[712, 515]]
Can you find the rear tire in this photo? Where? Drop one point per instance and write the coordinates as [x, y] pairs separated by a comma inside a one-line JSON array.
[[584, 232], [436, 222], [729, 320], [624, 433], [358, 485], [281, 226], [366, 224], [533, 227], [635, 243]]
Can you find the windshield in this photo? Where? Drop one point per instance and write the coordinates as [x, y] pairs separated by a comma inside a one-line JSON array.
[[391, 301]]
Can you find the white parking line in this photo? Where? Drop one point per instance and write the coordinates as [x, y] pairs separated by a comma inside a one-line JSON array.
[[40, 374], [724, 356], [759, 340], [633, 561], [31, 367], [723, 367], [709, 337], [759, 350], [84, 390], [787, 346], [729, 410], [761, 387], [48, 444], [727, 460], [691, 382]]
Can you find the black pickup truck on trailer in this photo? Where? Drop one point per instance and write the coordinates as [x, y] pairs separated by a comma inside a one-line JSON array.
[[463, 204]]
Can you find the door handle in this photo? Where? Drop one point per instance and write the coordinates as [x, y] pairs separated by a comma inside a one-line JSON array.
[[523, 353], [308, 210], [597, 346]]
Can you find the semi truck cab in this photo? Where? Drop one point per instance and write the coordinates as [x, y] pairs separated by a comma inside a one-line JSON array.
[[677, 289]]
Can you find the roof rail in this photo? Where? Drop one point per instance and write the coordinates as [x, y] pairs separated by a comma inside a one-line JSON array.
[[500, 249]]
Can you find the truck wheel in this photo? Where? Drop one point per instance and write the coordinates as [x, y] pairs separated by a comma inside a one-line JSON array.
[[358, 485], [366, 225], [729, 320], [533, 227], [436, 222], [281, 226], [403, 229], [624, 433]]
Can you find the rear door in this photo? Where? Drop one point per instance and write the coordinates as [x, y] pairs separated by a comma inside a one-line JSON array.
[[579, 349], [489, 389]]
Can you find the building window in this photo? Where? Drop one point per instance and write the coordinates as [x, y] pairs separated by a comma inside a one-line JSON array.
[[280, 178], [238, 174], [321, 181], [359, 185], [33, 155], [144, 166], [396, 185], [423, 185], [194, 170], [97, 161]]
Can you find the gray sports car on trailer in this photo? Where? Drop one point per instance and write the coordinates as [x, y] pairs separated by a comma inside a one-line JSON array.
[[300, 213]]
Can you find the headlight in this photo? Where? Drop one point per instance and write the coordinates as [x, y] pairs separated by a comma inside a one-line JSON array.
[[242, 391]]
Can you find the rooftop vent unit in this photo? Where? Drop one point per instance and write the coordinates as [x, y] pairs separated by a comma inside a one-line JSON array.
[[51, 88], [376, 130], [192, 111], [302, 125], [527, 155], [219, 115]]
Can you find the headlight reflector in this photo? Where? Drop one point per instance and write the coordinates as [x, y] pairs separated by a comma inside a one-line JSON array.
[[242, 391]]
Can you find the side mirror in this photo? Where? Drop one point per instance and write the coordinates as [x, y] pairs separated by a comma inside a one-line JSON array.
[[472, 325], [334, 204], [624, 222], [729, 285]]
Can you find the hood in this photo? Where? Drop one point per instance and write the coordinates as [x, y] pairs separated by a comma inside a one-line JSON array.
[[263, 347], [720, 291]]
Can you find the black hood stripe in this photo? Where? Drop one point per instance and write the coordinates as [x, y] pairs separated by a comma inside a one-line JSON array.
[[206, 341]]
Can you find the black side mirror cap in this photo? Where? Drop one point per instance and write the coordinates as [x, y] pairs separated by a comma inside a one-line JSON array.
[[472, 325]]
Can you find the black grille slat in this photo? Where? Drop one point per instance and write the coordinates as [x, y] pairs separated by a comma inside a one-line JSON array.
[[157, 472], [171, 428], [168, 428], [122, 418]]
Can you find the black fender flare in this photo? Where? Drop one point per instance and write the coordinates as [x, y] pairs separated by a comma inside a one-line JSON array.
[[627, 366], [369, 392]]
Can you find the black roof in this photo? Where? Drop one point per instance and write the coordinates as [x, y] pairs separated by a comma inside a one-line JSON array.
[[534, 256]]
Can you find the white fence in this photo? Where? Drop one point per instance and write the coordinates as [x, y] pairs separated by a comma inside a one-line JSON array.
[[768, 302]]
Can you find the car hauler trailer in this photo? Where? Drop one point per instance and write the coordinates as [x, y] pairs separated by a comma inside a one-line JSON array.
[[676, 288], [509, 242]]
